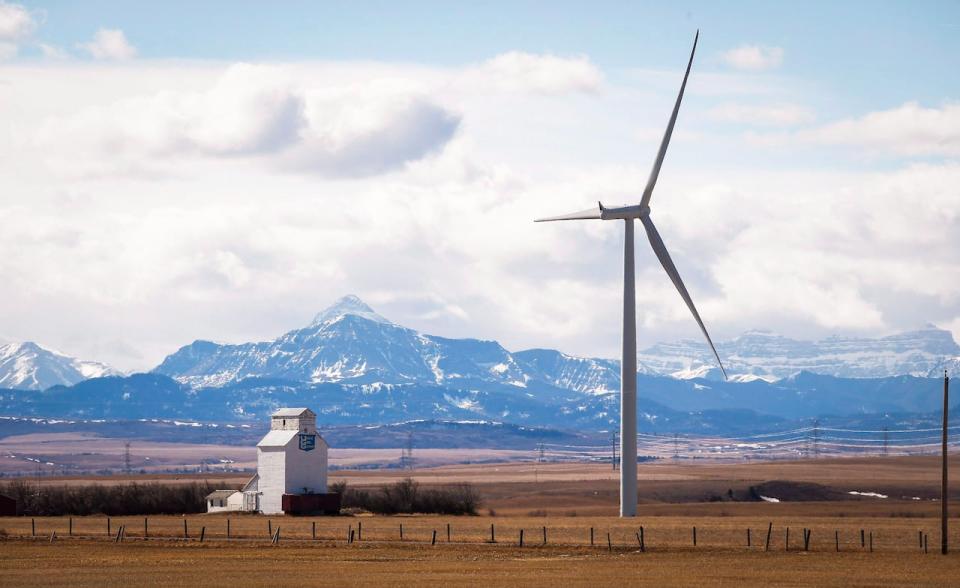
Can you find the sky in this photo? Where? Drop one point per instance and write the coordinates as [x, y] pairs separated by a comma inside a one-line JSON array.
[[225, 170]]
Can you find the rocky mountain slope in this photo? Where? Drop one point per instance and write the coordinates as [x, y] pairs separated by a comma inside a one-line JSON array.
[[29, 366]]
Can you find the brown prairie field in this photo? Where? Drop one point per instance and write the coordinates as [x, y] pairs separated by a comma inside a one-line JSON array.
[[566, 499]]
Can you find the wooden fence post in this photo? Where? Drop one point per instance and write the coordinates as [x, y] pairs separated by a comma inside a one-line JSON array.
[[70, 527], [920, 538], [544, 534], [269, 527], [786, 543], [643, 547], [108, 527], [836, 539], [359, 530], [806, 539], [401, 531], [591, 536], [119, 531], [448, 532], [521, 537], [871, 541], [203, 531], [434, 540], [53, 535], [493, 537], [186, 534], [609, 543], [769, 530], [862, 541], [313, 529], [694, 535], [146, 530], [228, 528], [33, 527], [748, 536]]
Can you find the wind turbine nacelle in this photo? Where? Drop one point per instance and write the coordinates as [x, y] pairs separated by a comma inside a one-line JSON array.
[[624, 212]]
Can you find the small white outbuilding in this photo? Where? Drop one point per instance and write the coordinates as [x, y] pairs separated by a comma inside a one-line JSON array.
[[291, 460]]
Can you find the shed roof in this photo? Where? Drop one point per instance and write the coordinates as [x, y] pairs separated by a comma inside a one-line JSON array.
[[293, 412], [278, 438], [219, 494]]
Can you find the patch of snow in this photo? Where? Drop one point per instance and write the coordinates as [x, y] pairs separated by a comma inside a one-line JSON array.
[[873, 494], [769, 498]]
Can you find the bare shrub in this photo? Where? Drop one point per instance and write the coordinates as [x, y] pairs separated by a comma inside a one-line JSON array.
[[118, 500]]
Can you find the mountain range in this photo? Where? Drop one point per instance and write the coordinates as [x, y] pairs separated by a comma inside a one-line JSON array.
[[32, 367], [353, 366]]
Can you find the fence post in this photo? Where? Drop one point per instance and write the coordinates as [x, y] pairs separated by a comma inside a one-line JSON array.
[[920, 538], [269, 527], [117, 539], [146, 530], [694, 535], [434, 540], [521, 537], [203, 531], [493, 537], [591, 536], [836, 539], [448, 532], [748, 536], [228, 528], [925, 543], [786, 543], [769, 530], [643, 547], [806, 539], [108, 527], [359, 530], [609, 543], [53, 535], [186, 535], [70, 527], [313, 529], [862, 542], [33, 527], [401, 531], [871, 541], [544, 534]]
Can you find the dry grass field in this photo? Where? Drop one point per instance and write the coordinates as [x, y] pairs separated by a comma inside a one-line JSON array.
[[567, 499]]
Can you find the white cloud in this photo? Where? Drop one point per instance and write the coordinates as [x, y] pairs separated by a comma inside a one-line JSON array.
[[110, 44], [221, 242], [257, 110], [783, 114], [754, 57], [16, 25], [910, 130], [52, 51], [517, 71]]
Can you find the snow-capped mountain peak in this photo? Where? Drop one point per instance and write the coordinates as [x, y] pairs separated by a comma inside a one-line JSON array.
[[30, 366], [348, 305]]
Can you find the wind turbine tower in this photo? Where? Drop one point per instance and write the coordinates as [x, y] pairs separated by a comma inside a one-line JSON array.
[[628, 360]]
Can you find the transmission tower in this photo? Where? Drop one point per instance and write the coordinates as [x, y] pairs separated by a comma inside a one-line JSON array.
[[126, 457], [540, 452], [676, 446], [886, 440], [613, 450], [406, 458], [816, 438]]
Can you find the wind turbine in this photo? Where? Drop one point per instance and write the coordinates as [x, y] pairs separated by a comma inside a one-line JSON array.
[[628, 363]]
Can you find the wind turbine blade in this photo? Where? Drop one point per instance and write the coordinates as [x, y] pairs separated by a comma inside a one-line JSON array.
[[661, 250], [655, 172], [593, 213]]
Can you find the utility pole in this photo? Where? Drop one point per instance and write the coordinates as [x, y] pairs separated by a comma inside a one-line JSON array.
[[676, 446], [943, 479], [886, 440], [540, 452]]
